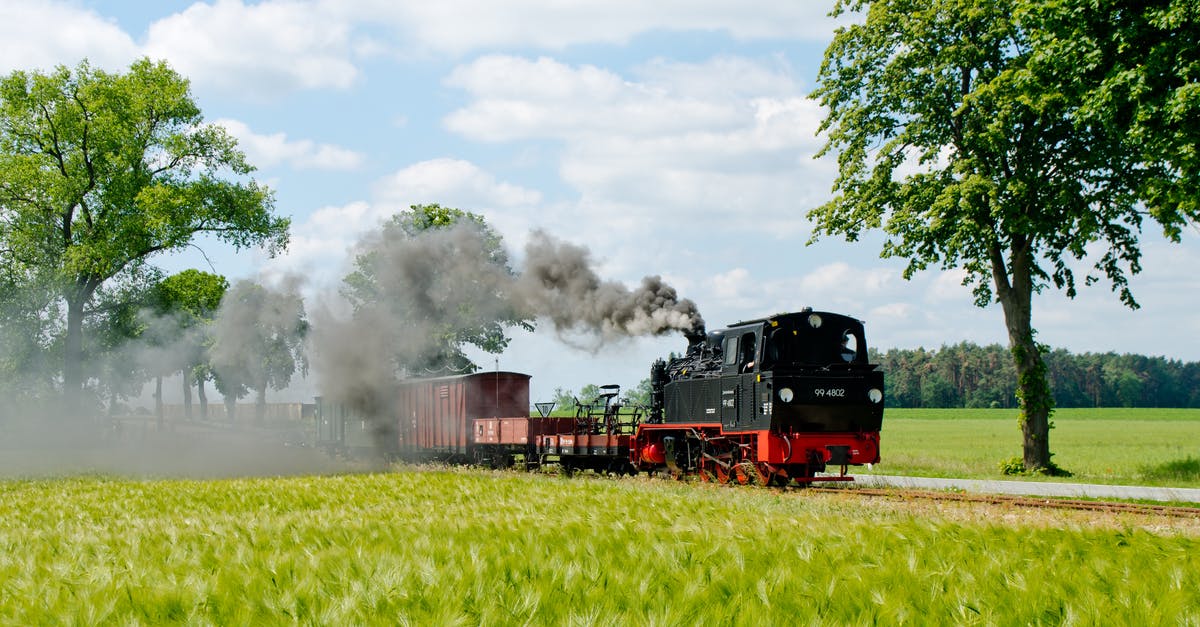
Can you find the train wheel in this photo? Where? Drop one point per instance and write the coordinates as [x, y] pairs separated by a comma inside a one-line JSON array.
[[768, 475], [801, 475], [722, 473], [763, 473], [744, 473]]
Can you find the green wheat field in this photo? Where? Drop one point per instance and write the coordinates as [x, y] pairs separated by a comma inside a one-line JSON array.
[[467, 547], [430, 546]]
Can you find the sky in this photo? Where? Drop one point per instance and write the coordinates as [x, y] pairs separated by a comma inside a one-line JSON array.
[[671, 138]]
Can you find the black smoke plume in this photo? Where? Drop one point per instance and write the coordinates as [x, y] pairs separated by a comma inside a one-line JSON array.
[[560, 285], [415, 298]]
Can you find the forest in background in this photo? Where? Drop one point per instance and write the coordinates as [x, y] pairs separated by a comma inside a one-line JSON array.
[[968, 375]]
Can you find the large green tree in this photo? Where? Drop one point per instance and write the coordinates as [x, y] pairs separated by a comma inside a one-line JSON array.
[[100, 171], [1014, 139]]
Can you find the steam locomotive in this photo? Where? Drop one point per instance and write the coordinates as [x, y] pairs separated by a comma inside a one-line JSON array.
[[770, 401]]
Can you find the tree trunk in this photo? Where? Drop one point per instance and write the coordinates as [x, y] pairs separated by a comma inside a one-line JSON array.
[[1034, 398], [200, 393], [158, 401], [73, 358], [187, 394], [230, 408], [260, 405], [77, 298]]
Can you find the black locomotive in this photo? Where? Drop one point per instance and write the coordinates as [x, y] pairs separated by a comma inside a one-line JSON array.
[[776, 399]]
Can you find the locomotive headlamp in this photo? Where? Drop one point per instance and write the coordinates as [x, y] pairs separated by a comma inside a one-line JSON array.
[[786, 395], [814, 321], [875, 395]]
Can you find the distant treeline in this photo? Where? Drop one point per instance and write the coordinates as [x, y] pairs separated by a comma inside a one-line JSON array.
[[967, 375]]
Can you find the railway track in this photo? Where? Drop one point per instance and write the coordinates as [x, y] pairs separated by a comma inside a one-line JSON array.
[[1174, 511]]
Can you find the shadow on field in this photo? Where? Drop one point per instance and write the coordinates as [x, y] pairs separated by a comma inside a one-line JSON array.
[[1187, 469], [181, 449]]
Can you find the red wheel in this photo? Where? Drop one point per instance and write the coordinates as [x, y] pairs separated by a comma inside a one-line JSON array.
[[723, 473], [768, 475], [744, 473]]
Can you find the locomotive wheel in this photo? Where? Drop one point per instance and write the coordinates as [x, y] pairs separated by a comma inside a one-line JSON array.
[[744, 473], [769, 476], [799, 472], [763, 473], [723, 474]]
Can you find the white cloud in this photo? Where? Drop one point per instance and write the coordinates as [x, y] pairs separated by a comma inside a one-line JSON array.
[[729, 138], [731, 285], [321, 244], [257, 49], [265, 151], [897, 312], [452, 182], [460, 26], [947, 286], [41, 35], [841, 277], [263, 49]]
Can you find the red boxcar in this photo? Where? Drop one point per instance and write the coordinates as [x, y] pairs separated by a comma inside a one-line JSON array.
[[435, 417]]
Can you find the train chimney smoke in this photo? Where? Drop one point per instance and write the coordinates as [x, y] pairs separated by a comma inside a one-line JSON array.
[[414, 297], [558, 283]]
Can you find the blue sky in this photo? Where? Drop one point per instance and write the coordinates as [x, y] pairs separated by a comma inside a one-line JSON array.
[[672, 138]]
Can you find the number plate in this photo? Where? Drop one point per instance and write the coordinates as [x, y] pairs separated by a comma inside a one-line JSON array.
[[829, 392]]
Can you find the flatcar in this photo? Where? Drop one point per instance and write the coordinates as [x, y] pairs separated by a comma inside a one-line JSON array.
[[772, 401]]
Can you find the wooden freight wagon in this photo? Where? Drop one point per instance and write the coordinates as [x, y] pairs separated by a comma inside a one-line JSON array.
[[435, 417]]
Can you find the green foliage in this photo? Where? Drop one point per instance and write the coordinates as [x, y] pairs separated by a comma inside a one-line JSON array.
[[1016, 466], [441, 548], [564, 402], [1012, 466], [640, 394], [985, 376], [30, 328], [194, 294], [100, 171]]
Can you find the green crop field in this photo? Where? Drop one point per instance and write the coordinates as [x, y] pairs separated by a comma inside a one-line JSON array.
[[467, 547], [1159, 447]]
